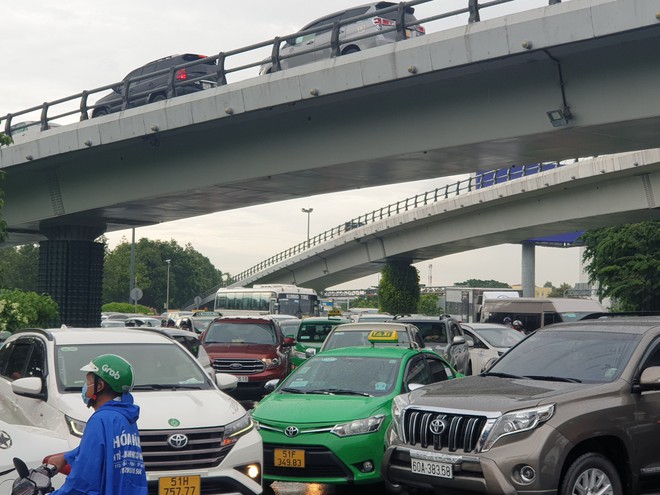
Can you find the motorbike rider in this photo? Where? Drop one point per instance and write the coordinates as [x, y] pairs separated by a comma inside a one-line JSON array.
[[108, 460]]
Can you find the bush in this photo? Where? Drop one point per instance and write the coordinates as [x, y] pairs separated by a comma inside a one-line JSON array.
[[19, 309], [127, 308]]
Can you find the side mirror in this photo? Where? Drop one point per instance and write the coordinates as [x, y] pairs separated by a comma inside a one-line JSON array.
[[458, 340], [650, 379], [469, 342], [414, 386], [225, 381], [310, 352], [28, 387], [289, 342], [271, 384]]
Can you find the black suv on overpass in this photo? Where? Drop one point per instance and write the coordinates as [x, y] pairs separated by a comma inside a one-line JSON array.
[[144, 88]]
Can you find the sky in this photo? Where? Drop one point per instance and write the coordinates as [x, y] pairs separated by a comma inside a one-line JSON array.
[[56, 49]]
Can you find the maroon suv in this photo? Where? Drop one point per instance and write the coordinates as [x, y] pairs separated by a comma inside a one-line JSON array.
[[250, 348]]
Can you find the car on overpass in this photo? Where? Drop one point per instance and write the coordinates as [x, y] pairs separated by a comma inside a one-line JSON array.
[[372, 28], [150, 82]]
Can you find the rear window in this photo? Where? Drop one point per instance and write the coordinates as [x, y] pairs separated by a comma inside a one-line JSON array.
[[189, 57], [240, 333], [391, 15]]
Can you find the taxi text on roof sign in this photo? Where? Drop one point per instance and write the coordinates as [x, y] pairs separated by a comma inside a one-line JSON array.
[[384, 336]]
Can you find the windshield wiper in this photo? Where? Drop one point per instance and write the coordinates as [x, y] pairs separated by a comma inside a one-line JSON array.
[[168, 386], [338, 391], [292, 390], [503, 375], [554, 378]]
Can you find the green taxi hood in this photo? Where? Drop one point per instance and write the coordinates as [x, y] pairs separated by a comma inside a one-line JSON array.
[[315, 408]]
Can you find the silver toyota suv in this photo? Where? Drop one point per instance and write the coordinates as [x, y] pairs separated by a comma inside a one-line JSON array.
[[314, 40], [574, 408]]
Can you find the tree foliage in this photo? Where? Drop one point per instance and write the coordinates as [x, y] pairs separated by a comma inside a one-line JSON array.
[[191, 273], [625, 262], [120, 307], [20, 309], [398, 290], [490, 284], [560, 291], [4, 140], [19, 267], [428, 305]]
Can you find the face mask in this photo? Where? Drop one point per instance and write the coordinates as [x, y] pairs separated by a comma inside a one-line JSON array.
[[84, 394]]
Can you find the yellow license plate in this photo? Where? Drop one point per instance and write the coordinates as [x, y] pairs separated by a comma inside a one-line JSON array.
[[180, 485], [290, 458]]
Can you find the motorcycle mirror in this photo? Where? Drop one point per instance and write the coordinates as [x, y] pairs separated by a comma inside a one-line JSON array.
[[21, 468]]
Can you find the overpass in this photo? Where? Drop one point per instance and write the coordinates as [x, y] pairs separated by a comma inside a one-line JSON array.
[[594, 193], [450, 102]]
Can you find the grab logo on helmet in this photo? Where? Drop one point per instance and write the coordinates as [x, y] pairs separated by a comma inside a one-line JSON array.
[[114, 374]]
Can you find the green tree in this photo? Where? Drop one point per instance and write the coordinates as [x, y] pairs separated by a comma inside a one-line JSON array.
[[625, 262], [20, 309], [191, 273], [4, 140], [429, 305], [561, 290], [365, 302], [491, 284], [19, 267], [398, 289]]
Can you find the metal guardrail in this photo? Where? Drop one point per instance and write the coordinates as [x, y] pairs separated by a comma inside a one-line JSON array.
[[470, 184], [473, 10]]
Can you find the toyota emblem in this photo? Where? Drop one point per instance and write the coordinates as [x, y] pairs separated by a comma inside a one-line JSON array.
[[438, 426], [177, 440], [291, 431]]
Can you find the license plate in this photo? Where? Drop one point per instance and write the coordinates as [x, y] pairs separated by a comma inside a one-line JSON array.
[[432, 468], [180, 485], [408, 33], [290, 458], [242, 378]]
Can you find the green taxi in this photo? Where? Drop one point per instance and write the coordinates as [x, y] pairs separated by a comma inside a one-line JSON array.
[[311, 334], [326, 422]]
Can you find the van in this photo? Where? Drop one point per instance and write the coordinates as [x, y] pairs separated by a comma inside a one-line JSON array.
[[536, 313]]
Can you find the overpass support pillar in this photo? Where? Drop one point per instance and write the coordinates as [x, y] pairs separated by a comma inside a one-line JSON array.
[[528, 269], [71, 272]]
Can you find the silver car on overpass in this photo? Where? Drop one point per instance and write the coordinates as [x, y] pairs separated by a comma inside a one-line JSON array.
[[373, 31]]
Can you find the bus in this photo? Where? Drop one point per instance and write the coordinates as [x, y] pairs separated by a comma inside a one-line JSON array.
[[264, 299]]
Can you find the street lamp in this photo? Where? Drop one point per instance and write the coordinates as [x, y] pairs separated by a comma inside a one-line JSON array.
[[167, 292], [308, 211]]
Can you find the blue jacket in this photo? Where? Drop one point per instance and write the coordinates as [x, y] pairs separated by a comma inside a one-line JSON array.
[[108, 460]]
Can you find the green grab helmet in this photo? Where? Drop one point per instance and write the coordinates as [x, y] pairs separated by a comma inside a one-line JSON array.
[[114, 370]]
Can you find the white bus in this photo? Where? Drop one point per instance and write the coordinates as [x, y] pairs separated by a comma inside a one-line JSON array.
[[267, 300]]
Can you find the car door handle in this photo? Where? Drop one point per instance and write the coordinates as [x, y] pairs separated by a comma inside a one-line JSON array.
[[310, 42]]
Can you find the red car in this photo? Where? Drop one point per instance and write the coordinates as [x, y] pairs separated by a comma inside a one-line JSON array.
[[252, 348]]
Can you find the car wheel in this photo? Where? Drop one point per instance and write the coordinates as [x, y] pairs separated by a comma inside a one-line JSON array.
[[591, 473], [159, 97], [99, 111], [352, 49]]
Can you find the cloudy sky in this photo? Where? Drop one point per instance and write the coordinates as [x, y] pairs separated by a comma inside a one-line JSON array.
[[55, 49]]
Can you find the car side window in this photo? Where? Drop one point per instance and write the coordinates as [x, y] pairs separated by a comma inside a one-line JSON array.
[[440, 372], [455, 331], [478, 343], [19, 353], [653, 358], [417, 372], [354, 12], [36, 365]]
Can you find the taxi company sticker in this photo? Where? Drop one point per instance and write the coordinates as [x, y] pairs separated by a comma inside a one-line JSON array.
[[68, 349], [5, 440], [329, 359], [380, 386], [174, 422], [299, 383]]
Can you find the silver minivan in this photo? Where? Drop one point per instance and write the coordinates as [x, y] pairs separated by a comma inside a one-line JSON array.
[[313, 43]]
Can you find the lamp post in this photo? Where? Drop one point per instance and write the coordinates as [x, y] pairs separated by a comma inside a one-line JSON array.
[[167, 291], [309, 212]]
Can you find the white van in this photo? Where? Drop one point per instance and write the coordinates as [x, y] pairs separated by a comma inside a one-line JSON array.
[[189, 430], [536, 313]]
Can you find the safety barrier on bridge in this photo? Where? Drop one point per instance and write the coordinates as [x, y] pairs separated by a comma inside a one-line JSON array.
[[78, 104], [473, 183]]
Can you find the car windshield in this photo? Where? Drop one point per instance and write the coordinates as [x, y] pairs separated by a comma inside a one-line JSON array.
[[587, 356], [500, 337], [240, 333], [156, 366], [358, 338], [344, 375], [200, 324], [313, 332], [289, 327]]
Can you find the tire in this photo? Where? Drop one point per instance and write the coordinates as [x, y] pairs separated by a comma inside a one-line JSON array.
[[99, 112], [591, 473], [352, 49], [158, 97]]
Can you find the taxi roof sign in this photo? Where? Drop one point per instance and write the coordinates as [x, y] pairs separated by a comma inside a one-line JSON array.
[[383, 336]]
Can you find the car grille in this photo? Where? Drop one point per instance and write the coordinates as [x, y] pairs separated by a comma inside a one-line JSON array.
[[320, 462], [204, 449], [238, 366], [442, 431]]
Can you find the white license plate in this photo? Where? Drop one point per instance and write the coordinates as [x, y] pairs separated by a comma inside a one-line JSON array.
[[432, 468], [242, 378]]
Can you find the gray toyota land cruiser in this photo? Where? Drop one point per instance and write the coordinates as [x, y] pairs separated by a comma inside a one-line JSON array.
[[574, 408]]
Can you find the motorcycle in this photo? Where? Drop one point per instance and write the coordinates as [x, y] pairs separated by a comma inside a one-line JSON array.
[[35, 481]]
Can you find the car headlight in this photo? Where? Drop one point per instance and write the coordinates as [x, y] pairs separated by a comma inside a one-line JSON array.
[[271, 363], [517, 422], [236, 429], [76, 427], [398, 405], [298, 354], [359, 427]]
